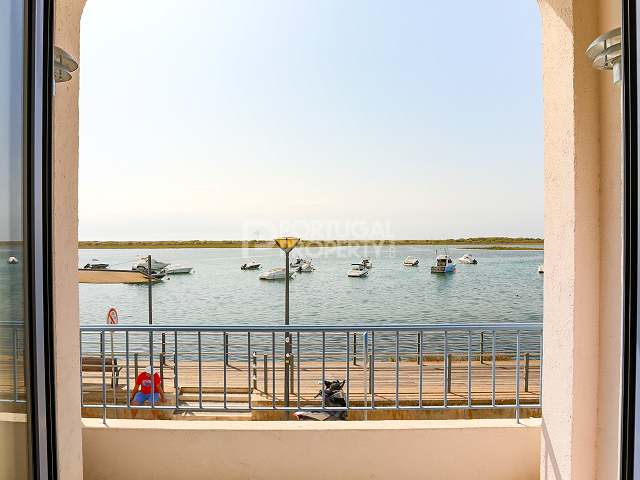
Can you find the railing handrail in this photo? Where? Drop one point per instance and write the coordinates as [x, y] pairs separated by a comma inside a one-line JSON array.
[[317, 328]]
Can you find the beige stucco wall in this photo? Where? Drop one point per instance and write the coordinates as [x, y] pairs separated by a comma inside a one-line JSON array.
[[583, 245], [65, 248], [449, 449], [611, 261], [13, 438]]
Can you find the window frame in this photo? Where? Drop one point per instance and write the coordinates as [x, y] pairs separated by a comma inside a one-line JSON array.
[[37, 222]]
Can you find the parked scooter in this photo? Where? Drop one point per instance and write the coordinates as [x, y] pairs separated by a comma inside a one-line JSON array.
[[333, 397]]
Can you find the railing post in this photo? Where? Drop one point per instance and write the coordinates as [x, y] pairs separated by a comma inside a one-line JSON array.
[[226, 349], [481, 348], [162, 363], [254, 370], [291, 369], [355, 349], [370, 375], [175, 375], [266, 374], [449, 362], [419, 348], [526, 372], [164, 349], [135, 364]]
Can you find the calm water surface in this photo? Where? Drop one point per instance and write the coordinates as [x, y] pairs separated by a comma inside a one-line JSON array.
[[503, 287]]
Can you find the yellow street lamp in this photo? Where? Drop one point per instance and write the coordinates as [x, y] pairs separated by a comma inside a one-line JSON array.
[[286, 244]]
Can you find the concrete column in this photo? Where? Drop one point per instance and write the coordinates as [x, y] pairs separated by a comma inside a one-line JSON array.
[[611, 264], [572, 240], [65, 248]]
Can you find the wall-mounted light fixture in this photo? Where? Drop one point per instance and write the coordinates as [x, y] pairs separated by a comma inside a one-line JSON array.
[[605, 52], [63, 65]]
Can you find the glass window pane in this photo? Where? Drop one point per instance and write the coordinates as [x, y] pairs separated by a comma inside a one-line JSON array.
[[13, 446]]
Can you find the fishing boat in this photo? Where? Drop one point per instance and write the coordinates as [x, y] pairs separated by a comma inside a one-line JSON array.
[[250, 265], [541, 268], [175, 269], [467, 259], [276, 274], [96, 264], [411, 262], [358, 270], [12, 261], [444, 264]]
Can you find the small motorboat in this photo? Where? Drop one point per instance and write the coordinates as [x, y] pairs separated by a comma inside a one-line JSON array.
[[411, 262], [306, 267], [358, 270], [444, 264], [468, 259], [96, 264], [541, 268], [366, 262], [251, 265], [297, 263], [12, 261], [142, 263], [276, 274], [175, 269], [302, 265]]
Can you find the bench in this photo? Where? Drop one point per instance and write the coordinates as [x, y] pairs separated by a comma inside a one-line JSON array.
[[94, 364]]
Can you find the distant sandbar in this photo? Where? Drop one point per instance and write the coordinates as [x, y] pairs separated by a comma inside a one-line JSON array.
[[494, 243]]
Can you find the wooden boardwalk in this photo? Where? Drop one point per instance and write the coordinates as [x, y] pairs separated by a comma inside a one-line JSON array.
[[246, 382]]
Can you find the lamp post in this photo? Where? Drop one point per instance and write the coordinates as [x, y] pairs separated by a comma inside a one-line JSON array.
[[286, 244]]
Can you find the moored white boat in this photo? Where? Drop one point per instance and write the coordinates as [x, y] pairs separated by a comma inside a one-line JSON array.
[[250, 265], [276, 274], [175, 269], [467, 259], [306, 267], [411, 262], [541, 268], [358, 270], [142, 264], [12, 260], [96, 264], [444, 264]]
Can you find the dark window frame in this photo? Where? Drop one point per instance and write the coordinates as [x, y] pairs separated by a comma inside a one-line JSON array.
[[37, 244], [630, 347]]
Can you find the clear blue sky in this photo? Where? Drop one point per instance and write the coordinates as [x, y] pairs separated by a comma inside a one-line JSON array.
[[325, 119]]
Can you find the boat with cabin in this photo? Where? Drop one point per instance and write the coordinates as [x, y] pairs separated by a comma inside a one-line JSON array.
[[358, 270], [444, 264]]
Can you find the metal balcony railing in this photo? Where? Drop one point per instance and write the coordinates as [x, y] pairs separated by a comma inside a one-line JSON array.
[[12, 389], [386, 367]]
